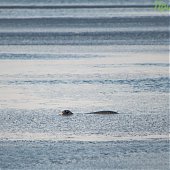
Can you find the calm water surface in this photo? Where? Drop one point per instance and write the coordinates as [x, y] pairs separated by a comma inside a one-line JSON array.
[[83, 59]]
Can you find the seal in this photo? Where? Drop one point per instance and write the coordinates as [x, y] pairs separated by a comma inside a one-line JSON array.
[[69, 113], [66, 113]]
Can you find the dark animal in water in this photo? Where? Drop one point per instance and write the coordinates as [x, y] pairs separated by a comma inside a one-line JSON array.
[[68, 112]]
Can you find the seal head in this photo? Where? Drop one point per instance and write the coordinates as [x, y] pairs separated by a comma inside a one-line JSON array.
[[66, 113]]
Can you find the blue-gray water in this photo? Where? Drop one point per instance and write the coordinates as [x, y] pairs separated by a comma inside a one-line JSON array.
[[83, 56]]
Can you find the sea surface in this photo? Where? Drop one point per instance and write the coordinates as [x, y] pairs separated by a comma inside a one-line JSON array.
[[84, 55]]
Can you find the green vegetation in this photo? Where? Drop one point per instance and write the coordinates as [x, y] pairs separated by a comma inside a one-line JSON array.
[[161, 6]]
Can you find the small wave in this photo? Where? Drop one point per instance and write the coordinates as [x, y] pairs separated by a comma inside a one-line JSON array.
[[60, 20], [11, 56], [68, 137], [136, 64], [85, 38], [147, 84], [71, 6], [153, 64]]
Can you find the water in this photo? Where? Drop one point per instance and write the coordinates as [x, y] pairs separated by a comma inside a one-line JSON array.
[[83, 59]]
